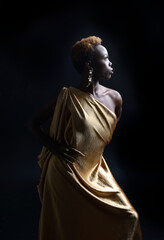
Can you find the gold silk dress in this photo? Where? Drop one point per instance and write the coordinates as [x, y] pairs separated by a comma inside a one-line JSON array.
[[82, 200]]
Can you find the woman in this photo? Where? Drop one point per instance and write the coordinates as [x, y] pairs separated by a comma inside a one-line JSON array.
[[80, 198]]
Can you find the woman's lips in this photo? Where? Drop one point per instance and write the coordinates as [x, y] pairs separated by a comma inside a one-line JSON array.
[[111, 70]]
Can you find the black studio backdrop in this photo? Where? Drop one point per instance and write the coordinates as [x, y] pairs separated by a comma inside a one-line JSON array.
[[35, 43]]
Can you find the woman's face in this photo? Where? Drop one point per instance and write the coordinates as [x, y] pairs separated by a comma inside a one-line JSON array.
[[101, 65]]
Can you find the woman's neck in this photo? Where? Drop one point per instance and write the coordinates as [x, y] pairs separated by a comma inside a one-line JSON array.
[[93, 88]]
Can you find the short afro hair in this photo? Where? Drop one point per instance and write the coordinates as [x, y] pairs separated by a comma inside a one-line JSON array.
[[82, 51]]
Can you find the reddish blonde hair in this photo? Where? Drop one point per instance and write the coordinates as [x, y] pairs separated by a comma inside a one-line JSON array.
[[83, 50]]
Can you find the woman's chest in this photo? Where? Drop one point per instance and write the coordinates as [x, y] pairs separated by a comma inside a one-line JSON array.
[[107, 101]]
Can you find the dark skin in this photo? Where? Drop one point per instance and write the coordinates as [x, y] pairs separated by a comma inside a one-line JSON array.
[[110, 98], [102, 70]]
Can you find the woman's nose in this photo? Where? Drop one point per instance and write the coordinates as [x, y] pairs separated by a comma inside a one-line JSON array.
[[110, 63]]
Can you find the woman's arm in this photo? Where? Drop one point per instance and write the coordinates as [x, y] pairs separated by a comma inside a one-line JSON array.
[[40, 117], [35, 127], [118, 105]]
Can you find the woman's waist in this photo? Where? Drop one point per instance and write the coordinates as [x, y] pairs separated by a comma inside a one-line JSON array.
[[89, 161]]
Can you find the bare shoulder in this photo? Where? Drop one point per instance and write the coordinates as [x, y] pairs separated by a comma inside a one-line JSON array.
[[115, 95], [116, 99]]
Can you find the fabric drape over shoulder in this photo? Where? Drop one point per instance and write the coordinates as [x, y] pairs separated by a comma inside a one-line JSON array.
[[82, 200]]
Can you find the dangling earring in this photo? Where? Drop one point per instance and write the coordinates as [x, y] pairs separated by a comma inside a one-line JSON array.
[[90, 77]]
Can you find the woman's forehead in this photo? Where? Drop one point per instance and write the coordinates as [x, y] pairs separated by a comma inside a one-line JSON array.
[[100, 51]]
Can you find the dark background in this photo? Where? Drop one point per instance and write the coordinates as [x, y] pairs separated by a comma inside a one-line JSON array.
[[35, 43]]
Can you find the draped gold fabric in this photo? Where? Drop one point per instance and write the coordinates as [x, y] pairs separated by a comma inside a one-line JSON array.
[[82, 201]]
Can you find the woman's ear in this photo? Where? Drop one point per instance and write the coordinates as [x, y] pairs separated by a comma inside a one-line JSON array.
[[88, 64]]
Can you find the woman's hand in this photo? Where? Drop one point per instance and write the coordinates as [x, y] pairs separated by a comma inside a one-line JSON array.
[[68, 153], [61, 150]]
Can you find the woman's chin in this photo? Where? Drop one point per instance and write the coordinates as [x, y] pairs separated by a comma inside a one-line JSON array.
[[109, 77]]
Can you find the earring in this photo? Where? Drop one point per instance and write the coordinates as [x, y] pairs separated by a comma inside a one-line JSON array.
[[90, 77]]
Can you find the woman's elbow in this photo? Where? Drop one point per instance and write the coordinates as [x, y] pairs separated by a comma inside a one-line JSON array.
[[32, 124]]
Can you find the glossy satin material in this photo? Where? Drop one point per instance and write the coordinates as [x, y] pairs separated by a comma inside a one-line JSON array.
[[82, 201]]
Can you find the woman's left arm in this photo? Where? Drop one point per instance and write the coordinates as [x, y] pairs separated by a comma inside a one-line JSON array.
[[118, 105]]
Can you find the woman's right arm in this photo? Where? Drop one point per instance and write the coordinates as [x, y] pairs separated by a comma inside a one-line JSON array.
[[35, 127], [40, 117]]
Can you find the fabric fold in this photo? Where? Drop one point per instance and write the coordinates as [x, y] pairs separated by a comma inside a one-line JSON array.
[[82, 200]]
